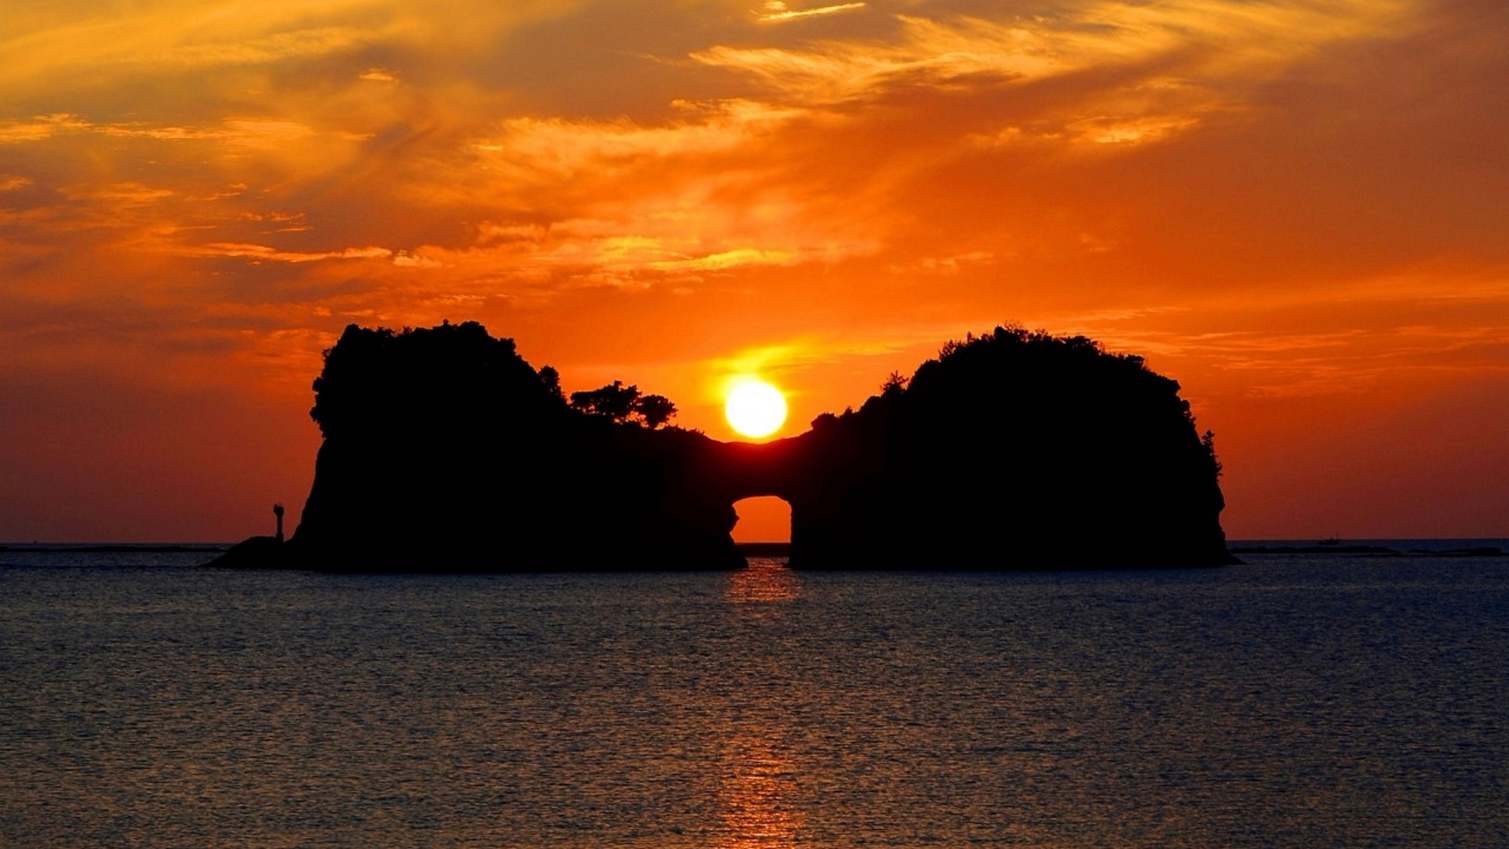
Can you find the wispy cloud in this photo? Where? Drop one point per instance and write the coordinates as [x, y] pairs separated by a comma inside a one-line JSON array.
[[567, 147], [274, 48], [264, 253], [257, 131], [931, 51], [776, 12], [40, 128]]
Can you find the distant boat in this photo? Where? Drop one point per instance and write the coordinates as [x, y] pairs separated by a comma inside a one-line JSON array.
[[1329, 541]]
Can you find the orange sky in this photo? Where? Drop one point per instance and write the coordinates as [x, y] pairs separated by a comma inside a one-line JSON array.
[[1297, 208]]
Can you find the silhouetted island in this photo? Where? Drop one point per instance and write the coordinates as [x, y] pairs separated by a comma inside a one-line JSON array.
[[445, 451]]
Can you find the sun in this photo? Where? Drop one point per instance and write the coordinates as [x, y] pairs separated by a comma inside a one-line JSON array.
[[755, 408]]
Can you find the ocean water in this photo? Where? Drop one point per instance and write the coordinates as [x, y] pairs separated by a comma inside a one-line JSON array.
[[1325, 700]]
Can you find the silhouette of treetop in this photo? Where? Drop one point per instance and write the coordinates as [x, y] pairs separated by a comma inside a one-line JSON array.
[[1015, 384], [407, 381], [624, 404]]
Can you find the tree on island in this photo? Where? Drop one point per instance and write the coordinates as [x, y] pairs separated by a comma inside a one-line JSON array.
[[552, 380], [623, 404], [655, 410]]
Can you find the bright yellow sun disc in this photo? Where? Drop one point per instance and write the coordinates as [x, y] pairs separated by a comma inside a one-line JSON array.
[[755, 408]]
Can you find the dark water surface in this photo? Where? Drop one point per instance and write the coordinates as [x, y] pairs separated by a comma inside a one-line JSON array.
[[1304, 701]]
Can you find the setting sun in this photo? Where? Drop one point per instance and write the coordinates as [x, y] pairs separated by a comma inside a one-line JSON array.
[[755, 408]]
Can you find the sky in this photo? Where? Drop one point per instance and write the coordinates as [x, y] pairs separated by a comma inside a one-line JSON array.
[[1299, 209]]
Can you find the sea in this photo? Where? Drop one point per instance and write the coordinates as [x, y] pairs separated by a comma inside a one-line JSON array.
[[1322, 696]]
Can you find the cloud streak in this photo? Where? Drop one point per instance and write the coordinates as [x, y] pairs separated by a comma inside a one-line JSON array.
[[776, 12]]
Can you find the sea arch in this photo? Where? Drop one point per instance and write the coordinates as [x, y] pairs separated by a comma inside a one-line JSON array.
[[762, 519]]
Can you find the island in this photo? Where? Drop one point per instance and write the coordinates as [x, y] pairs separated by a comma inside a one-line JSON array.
[[444, 450]]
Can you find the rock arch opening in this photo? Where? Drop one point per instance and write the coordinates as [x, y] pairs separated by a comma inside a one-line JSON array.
[[762, 518]]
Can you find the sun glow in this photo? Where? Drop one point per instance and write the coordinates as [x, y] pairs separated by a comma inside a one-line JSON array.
[[755, 408]]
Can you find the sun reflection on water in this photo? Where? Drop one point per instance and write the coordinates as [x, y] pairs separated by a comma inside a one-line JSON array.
[[758, 797], [764, 587], [759, 802]]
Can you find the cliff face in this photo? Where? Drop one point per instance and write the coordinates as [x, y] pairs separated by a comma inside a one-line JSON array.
[[445, 450], [1013, 450]]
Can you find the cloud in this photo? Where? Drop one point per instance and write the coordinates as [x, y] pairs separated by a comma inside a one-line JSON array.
[[1212, 39], [1130, 131], [40, 127], [928, 51], [247, 131], [565, 147], [116, 194], [264, 253], [165, 41], [696, 194], [723, 260], [777, 12], [942, 265], [270, 49]]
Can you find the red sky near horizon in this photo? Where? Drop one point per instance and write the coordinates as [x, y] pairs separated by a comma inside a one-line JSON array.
[[1297, 208]]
